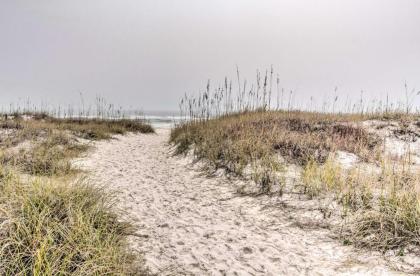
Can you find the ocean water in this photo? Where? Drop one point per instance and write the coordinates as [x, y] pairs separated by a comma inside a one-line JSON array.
[[161, 119], [158, 119]]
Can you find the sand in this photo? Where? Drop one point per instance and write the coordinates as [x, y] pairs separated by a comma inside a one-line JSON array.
[[191, 224]]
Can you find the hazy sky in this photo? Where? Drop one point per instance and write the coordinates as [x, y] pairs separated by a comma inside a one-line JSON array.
[[147, 54]]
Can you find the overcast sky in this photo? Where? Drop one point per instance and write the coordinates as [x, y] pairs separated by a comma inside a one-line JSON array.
[[147, 54]]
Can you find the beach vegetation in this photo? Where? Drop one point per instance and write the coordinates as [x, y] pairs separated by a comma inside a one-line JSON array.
[[245, 130], [53, 221]]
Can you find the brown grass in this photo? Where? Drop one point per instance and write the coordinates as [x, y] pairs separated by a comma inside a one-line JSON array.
[[382, 210], [234, 141]]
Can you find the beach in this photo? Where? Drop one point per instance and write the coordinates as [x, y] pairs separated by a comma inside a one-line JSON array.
[[188, 223]]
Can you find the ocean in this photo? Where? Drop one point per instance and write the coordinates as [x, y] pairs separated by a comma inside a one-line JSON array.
[[160, 119]]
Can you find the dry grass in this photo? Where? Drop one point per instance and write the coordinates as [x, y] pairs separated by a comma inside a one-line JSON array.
[[92, 129], [234, 141], [382, 210], [60, 229], [52, 142], [51, 224], [96, 129], [394, 220], [49, 157]]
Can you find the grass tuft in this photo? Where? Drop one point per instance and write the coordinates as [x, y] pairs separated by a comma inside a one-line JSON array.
[[53, 228], [232, 142]]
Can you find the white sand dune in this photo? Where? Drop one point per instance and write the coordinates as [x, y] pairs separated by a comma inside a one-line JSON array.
[[189, 224]]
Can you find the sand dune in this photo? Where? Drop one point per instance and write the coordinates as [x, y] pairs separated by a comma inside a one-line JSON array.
[[190, 224]]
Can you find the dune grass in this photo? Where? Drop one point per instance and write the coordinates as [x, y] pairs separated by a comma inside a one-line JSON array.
[[53, 228], [234, 141], [382, 210], [52, 142], [49, 157], [53, 222], [87, 128]]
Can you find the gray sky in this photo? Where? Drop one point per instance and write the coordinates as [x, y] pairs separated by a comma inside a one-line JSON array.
[[147, 54]]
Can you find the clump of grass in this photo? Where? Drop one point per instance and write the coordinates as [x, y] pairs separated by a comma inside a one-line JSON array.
[[317, 179], [60, 229], [43, 160], [38, 127], [269, 173], [394, 222], [383, 209], [234, 141], [97, 129], [47, 158], [353, 188]]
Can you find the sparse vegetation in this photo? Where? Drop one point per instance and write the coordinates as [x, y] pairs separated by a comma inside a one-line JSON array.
[[240, 140], [52, 142], [382, 210], [51, 223]]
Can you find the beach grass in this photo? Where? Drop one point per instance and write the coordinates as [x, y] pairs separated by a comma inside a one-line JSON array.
[[379, 210], [52, 220]]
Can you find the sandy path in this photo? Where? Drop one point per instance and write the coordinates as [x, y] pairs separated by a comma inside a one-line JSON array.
[[194, 225]]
